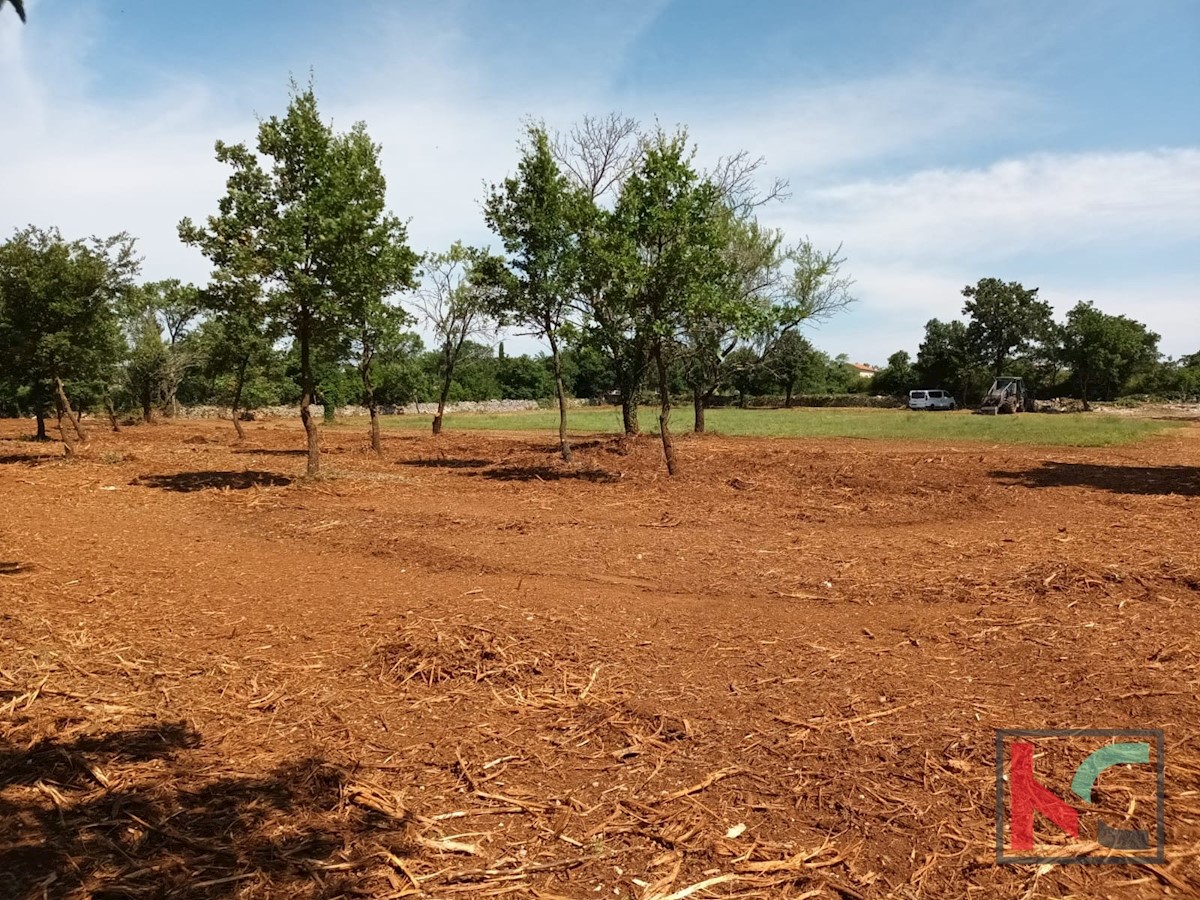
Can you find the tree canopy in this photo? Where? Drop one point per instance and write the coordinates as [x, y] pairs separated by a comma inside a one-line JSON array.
[[312, 228]]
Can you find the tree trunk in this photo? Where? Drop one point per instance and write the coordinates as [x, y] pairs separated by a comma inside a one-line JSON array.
[[66, 407], [147, 405], [787, 397], [629, 414], [41, 427], [372, 407], [307, 389], [664, 413], [442, 398], [64, 433], [112, 413], [563, 445], [1083, 392], [235, 410], [698, 409]]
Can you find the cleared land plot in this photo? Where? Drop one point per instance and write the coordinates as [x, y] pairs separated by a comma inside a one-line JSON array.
[[1078, 430], [466, 668]]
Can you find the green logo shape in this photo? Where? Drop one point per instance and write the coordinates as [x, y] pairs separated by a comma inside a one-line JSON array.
[[1104, 758]]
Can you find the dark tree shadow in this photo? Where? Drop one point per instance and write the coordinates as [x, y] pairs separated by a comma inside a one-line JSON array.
[[162, 827], [254, 452], [448, 463], [187, 482], [24, 459], [1150, 480], [545, 473]]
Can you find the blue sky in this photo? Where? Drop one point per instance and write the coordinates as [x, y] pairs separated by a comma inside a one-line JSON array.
[[1056, 144]]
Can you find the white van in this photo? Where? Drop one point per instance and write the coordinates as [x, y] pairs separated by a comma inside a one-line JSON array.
[[931, 400]]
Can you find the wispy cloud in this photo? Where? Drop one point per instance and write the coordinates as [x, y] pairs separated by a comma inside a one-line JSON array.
[[1068, 201], [447, 102]]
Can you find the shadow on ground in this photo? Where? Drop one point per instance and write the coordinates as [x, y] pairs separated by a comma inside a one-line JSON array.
[[1149, 480], [545, 473], [448, 463], [187, 482], [131, 814], [261, 452], [24, 459]]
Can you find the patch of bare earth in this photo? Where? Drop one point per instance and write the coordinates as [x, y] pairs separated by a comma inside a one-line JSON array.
[[466, 668]]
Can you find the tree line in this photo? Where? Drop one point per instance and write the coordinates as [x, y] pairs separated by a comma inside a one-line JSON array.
[[641, 272], [635, 267], [1009, 330]]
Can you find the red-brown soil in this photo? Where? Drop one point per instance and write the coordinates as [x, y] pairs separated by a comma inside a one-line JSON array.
[[467, 668]]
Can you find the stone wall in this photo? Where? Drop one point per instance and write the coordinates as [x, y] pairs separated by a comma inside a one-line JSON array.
[[425, 409]]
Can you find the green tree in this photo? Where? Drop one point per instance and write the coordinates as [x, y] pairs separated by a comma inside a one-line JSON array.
[[401, 378], [754, 263], [454, 308], [945, 359], [1005, 320], [597, 155], [58, 321], [241, 342], [589, 371], [1104, 351], [373, 260], [746, 373], [525, 377], [158, 317], [537, 216], [673, 235], [148, 364], [792, 360], [897, 378], [291, 226]]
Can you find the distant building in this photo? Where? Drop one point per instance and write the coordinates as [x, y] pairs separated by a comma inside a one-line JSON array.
[[863, 370]]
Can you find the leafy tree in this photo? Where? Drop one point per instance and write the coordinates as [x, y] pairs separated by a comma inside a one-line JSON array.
[[243, 344], [745, 372], [1005, 319], [158, 365], [815, 289], [1103, 351], [525, 377], [597, 155], [148, 364], [589, 372], [474, 373], [818, 288], [58, 324], [374, 260], [454, 308], [841, 377], [898, 377], [753, 275], [400, 376], [946, 360], [672, 228], [291, 225], [792, 360], [536, 214]]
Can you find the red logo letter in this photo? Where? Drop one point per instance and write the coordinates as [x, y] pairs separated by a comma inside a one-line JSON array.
[[1028, 795]]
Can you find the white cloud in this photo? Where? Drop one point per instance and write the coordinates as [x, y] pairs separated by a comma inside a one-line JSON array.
[[448, 120], [1067, 202]]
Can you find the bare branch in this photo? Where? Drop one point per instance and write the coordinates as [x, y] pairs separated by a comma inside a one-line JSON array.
[[598, 152], [736, 177]]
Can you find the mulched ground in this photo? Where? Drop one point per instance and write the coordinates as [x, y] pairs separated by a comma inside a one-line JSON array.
[[466, 668]]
